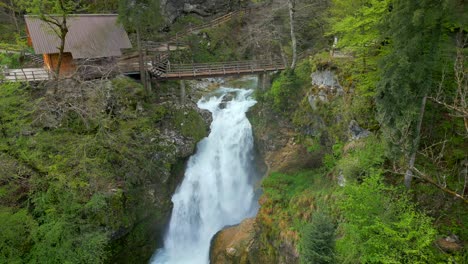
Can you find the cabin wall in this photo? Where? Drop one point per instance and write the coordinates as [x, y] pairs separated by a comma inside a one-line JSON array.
[[67, 67]]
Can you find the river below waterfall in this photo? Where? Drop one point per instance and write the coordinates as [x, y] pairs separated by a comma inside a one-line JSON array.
[[218, 186]]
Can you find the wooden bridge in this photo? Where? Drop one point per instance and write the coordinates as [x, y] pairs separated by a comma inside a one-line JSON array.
[[170, 71], [165, 70]]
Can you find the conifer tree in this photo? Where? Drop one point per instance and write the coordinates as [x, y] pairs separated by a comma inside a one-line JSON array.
[[415, 31]]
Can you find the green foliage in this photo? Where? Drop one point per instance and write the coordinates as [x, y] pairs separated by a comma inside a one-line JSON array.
[[362, 158], [16, 235], [331, 159], [380, 225], [100, 7], [318, 240], [284, 91], [45, 8], [282, 187], [10, 60], [57, 242], [357, 23], [144, 15]]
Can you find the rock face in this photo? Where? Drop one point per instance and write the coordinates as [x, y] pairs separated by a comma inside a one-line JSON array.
[[174, 8], [326, 87], [233, 244]]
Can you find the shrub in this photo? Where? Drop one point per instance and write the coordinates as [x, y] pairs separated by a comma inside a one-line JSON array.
[[380, 225], [284, 91]]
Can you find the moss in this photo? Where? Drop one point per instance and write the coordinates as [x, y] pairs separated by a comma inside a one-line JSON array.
[[189, 123]]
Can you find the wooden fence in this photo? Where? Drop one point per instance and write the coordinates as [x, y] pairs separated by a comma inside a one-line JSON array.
[[25, 75]]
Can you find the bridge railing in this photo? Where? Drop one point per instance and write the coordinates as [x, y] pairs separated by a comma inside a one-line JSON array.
[[223, 68], [225, 65]]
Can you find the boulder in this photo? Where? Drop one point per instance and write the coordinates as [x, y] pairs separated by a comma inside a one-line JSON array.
[[356, 132], [450, 244], [232, 244]]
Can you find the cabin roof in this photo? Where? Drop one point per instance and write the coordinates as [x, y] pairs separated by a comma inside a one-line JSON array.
[[89, 36]]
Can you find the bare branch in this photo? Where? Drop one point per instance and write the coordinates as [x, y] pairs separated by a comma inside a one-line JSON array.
[[428, 179]]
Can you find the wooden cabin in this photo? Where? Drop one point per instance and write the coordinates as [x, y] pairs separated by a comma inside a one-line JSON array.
[[90, 37]]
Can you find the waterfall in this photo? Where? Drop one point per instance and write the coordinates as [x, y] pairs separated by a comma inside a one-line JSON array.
[[217, 189]]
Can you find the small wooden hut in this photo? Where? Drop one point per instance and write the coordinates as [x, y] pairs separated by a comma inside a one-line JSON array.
[[90, 36]]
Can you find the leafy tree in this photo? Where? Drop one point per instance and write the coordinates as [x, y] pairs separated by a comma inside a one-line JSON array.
[[358, 26], [318, 240], [358, 23]]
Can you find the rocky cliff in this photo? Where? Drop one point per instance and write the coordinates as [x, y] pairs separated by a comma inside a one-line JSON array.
[[175, 8]]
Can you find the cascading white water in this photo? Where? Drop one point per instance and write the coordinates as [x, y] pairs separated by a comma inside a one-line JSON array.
[[216, 190]]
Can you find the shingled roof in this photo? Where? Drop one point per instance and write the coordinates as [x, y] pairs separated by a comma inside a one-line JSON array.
[[89, 36]]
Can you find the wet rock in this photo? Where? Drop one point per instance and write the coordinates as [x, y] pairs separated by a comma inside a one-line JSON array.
[[225, 100], [232, 244]]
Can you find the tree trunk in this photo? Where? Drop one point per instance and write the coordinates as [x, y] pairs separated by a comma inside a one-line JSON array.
[[412, 159], [292, 6], [141, 61], [63, 34]]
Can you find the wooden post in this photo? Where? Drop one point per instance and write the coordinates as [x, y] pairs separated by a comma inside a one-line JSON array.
[[141, 62], [260, 81], [263, 81]]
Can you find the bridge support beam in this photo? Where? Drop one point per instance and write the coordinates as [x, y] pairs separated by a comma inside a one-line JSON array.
[[182, 92], [263, 81]]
